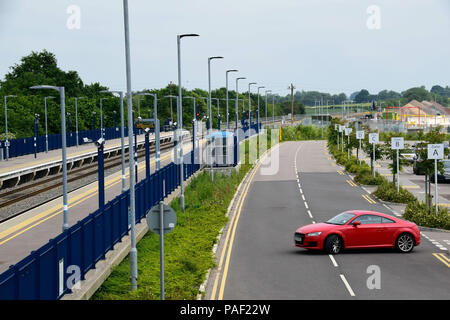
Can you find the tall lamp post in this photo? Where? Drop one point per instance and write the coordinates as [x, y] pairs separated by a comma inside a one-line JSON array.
[[218, 112], [157, 127], [6, 127], [45, 116], [257, 119], [266, 101], [237, 100], [122, 134], [250, 105], [101, 117], [76, 119], [211, 172], [208, 122], [36, 132], [226, 73], [180, 114], [133, 249], [64, 147]]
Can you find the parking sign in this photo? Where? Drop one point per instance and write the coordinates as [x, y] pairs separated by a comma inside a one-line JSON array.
[[360, 134], [436, 151], [397, 143], [373, 138], [348, 131]]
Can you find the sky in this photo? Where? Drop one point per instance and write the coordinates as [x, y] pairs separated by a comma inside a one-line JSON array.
[[325, 45]]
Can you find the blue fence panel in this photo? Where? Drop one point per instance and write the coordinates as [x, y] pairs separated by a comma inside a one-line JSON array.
[[43, 274]]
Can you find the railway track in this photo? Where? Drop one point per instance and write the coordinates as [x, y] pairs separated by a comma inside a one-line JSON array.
[[44, 185]]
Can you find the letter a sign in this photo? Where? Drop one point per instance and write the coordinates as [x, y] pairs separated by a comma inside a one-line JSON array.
[[397, 143], [435, 151]]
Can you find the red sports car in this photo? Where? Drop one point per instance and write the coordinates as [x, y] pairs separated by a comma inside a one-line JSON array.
[[359, 229]]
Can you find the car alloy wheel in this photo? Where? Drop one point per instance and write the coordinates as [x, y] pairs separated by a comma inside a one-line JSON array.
[[405, 243], [336, 246], [333, 244]]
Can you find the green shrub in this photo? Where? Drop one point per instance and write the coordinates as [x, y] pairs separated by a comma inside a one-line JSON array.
[[365, 176], [388, 192], [419, 213]]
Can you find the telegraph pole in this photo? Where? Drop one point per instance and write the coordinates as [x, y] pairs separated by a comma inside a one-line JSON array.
[[291, 87]]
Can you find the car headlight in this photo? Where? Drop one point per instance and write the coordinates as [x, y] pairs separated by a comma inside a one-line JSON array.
[[312, 234]]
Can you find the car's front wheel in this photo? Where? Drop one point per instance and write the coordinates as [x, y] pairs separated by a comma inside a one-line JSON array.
[[333, 244], [405, 243]]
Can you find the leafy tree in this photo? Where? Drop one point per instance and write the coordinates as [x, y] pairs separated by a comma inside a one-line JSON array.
[[368, 147], [418, 93], [426, 166], [391, 154], [362, 96]]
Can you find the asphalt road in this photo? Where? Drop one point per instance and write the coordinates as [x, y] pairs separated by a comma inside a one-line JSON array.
[[264, 263]]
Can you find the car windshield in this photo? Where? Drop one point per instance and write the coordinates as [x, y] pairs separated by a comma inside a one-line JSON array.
[[446, 164], [341, 218]]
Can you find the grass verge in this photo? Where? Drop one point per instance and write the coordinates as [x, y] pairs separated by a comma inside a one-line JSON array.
[[188, 248]]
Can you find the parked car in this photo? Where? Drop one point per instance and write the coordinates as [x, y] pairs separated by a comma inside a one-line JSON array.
[[443, 177], [409, 154]]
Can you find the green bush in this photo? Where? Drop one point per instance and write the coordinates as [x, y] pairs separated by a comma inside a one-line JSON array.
[[419, 213], [388, 192], [365, 176]]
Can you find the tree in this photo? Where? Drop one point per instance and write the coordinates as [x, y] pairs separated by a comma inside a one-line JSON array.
[[362, 96], [368, 147], [418, 93], [425, 165], [391, 154]]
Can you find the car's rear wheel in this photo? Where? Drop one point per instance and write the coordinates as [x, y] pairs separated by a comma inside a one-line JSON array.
[[405, 243], [333, 244]]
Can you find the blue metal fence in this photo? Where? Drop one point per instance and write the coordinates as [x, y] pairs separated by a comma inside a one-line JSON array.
[[43, 275], [23, 146]]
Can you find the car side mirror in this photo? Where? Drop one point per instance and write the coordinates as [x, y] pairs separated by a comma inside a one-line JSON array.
[[356, 223]]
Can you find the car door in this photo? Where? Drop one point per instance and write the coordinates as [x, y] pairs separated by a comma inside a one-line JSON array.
[[368, 233], [389, 227]]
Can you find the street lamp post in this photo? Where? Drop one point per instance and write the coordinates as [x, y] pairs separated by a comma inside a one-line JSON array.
[[257, 119], [266, 101], [133, 249], [157, 127], [45, 115], [211, 172], [237, 101], [6, 127], [194, 129], [122, 134], [76, 120], [64, 147], [180, 115], [218, 112], [101, 118], [36, 132], [226, 90], [250, 105]]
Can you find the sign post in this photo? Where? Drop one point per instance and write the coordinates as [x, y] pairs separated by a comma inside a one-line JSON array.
[[359, 136], [347, 133], [341, 129], [336, 127], [161, 219], [397, 143], [435, 151], [373, 139]]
